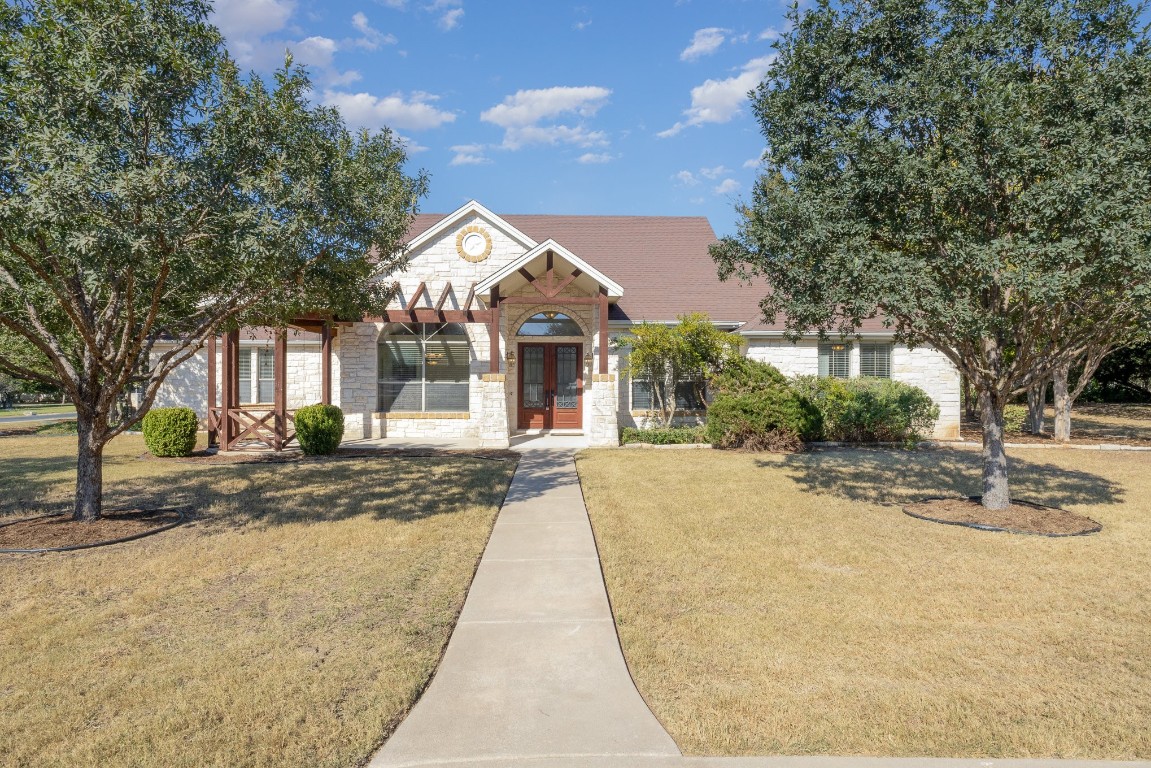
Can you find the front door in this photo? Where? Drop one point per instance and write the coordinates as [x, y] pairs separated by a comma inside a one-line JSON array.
[[551, 386]]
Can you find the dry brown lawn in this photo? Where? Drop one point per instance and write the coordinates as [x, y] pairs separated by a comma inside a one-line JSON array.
[[292, 623], [780, 605]]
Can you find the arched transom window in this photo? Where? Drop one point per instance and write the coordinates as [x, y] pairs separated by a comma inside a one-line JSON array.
[[424, 367], [550, 323]]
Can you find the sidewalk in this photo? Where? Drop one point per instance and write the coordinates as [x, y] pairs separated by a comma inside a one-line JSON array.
[[533, 671]]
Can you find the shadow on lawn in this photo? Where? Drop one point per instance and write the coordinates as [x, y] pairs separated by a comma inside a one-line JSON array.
[[895, 476], [386, 487]]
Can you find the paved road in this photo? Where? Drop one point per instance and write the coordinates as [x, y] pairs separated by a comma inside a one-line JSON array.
[[27, 418]]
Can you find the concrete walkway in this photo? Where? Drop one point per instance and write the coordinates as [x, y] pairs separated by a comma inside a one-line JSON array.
[[533, 671], [533, 676]]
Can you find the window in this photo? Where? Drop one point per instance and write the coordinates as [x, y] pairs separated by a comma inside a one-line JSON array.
[[686, 398], [245, 376], [835, 360], [266, 366], [550, 324], [424, 367], [875, 360]]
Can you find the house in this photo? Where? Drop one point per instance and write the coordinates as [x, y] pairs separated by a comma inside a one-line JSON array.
[[503, 324]]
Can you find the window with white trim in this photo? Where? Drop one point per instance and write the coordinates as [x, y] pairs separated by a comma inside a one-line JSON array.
[[424, 368], [875, 360], [266, 368], [835, 360], [245, 369]]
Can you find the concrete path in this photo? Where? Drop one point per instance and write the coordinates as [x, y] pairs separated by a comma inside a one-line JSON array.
[[533, 676], [533, 670]]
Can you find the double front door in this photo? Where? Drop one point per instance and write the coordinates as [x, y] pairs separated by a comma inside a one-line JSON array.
[[551, 385]]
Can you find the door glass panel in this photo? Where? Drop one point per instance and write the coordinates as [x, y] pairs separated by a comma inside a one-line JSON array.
[[567, 374], [532, 373]]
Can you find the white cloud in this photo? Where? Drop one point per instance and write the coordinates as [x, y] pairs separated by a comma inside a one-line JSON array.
[[520, 116], [450, 12], [595, 158], [251, 19], [413, 113], [704, 42], [718, 101], [714, 173], [753, 162], [687, 178], [469, 154], [396, 5], [411, 145], [580, 26], [727, 187], [771, 33], [371, 38]]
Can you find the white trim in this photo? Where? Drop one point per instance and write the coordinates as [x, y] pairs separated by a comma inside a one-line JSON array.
[[614, 289], [810, 336], [471, 208]]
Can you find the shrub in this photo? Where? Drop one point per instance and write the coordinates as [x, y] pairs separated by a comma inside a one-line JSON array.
[[775, 418], [170, 431], [663, 435], [319, 429], [1014, 418], [870, 410], [741, 375]]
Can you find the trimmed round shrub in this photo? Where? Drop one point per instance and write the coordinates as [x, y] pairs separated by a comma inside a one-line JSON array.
[[170, 431], [319, 429], [770, 419]]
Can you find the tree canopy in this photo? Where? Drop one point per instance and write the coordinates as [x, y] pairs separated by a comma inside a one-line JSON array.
[[973, 172], [149, 190]]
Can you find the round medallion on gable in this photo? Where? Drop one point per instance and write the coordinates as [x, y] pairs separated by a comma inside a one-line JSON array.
[[473, 243]]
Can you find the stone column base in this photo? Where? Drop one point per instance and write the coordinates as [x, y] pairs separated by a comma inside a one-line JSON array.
[[493, 412], [604, 427]]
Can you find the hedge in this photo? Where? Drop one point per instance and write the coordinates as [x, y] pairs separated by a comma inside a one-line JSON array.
[[663, 435], [870, 410]]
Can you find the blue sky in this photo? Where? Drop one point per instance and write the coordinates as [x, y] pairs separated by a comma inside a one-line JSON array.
[[540, 107]]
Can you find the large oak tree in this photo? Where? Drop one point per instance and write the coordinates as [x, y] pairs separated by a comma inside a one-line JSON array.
[[974, 172], [150, 190]]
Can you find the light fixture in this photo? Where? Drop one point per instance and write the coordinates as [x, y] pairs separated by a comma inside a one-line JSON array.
[[551, 314], [511, 358], [587, 360]]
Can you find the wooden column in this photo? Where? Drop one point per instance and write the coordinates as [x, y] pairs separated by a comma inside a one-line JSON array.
[[212, 389], [230, 388], [280, 388], [603, 308], [326, 364], [494, 332]]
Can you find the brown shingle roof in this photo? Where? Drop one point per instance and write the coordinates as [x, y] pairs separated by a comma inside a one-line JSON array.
[[662, 262]]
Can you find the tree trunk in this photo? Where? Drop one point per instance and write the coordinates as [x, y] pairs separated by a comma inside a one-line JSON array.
[[996, 494], [1036, 400], [1062, 404], [968, 400], [89, 469]]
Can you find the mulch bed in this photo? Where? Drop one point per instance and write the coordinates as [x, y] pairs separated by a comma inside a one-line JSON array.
[[57, 531], [973, 432], [1021, 517], [272, 457]]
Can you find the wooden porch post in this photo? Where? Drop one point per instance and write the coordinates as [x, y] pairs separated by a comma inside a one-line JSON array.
[[212, 425], [280, 388], [603, 308], [230, 388], [494, 332], [326, 364]]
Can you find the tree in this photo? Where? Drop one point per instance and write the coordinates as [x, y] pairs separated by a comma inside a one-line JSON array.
[[670, 356], [149, 190], [1125, 375], [973, 172]]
